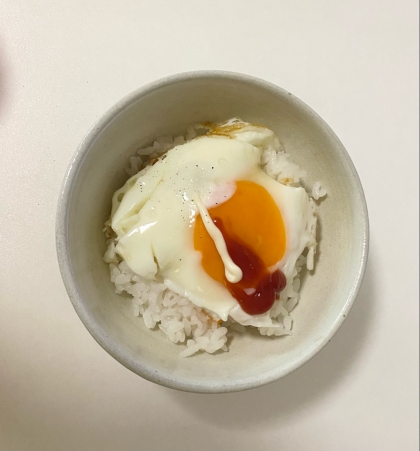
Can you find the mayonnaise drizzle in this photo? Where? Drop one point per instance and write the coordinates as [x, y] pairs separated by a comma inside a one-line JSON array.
[[233, 272]]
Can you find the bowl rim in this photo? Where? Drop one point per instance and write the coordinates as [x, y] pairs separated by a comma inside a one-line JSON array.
[[76, 298]]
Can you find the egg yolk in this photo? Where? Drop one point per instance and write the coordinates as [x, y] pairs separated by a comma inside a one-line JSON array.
[[254, 232]]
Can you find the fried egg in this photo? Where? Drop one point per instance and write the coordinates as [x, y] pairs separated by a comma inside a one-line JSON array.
[[177, 219]]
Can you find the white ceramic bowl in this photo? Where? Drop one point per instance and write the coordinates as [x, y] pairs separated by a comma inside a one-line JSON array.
[[169, 106]]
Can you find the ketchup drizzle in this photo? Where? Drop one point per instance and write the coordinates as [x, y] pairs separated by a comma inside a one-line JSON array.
[[258, 288]]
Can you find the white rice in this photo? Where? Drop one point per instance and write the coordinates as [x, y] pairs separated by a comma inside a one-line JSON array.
[[177, 317]]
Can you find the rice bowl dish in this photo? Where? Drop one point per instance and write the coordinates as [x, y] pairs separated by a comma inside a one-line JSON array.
[[168, 107], [189, 302]]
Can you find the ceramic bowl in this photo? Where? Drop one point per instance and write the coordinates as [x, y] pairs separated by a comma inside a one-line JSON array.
[[169, 106]]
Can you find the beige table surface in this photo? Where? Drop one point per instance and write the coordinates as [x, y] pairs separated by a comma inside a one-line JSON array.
[[62, 64]]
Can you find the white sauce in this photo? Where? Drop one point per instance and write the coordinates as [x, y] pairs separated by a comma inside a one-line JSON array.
[[233, 272]]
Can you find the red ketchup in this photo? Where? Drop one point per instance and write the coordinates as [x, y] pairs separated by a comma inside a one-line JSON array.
[[258, 288]]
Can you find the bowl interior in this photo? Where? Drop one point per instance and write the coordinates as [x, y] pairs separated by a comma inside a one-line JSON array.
[[98, 170]]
